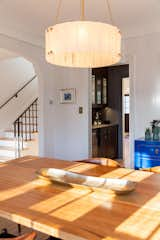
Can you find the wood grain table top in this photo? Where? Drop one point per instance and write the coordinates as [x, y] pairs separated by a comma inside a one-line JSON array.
[[79, 213]]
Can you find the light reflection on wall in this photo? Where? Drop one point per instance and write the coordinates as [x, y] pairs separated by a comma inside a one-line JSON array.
[[156, 100]]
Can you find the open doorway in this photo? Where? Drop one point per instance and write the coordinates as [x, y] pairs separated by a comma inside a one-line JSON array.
[[126, 117], [107, 111]]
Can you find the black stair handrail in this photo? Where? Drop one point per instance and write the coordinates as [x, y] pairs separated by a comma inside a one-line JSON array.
[[16, 94], [19, 132]]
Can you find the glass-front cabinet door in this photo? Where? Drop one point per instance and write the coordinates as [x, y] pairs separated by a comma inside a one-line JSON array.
[[99, 89], [104, 89]]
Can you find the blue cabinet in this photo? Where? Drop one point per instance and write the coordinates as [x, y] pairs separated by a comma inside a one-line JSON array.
[[147, 153]]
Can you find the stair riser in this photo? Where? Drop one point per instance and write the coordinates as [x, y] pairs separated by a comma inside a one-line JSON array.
[[5, 160], [34, 107], [32, 120], [11, 135], [32, 113], [11, 144], [7, 153], [27, 128]]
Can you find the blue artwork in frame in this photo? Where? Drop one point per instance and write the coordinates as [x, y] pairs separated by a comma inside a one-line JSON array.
[[67, 95]]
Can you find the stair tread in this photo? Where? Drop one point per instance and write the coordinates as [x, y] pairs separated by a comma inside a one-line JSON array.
[[29, 124], [5, 158], [28, 140], [30, 117], [7, 148], [9, 130], [13, 139], [6, 139], [12, 131], [32, 110], [32, 132]]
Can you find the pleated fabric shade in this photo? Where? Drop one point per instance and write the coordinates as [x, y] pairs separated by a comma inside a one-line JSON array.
[[83, 44]]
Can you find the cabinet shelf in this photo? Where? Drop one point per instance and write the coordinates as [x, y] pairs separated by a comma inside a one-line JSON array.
[[99, 106], [105, 142]]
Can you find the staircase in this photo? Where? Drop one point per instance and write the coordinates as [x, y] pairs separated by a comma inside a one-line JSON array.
[[21, 138]]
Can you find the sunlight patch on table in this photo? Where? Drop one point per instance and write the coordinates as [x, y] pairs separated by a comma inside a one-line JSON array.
[[117, 173], [144, 221], [58, 200], [129, 174], [16, 191], [76, 209]]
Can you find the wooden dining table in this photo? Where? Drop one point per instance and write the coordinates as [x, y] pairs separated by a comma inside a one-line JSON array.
[[75, 213]]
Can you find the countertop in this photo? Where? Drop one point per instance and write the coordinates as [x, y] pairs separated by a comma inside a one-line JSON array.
[[103, 125]]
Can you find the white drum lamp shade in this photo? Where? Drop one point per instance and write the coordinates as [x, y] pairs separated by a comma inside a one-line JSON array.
[[83, 44]]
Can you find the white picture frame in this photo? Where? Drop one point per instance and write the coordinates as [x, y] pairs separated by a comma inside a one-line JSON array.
[[67, 95]]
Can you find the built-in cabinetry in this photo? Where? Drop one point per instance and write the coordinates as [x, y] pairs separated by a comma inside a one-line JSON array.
[[105, 141], [147, 153]]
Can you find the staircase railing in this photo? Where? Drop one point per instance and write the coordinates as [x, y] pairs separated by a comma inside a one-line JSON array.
[[25, 125], [15, 95]]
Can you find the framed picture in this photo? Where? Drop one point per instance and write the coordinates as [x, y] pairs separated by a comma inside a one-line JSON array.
[[68, 95]]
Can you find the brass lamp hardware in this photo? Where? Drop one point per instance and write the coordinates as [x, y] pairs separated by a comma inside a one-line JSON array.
[[156, 151]]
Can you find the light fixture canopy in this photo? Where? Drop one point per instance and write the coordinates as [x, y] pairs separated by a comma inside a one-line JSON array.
[[83, 44]]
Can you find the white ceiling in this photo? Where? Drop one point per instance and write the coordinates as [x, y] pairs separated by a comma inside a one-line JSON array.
[[27, 19], [5, 54]]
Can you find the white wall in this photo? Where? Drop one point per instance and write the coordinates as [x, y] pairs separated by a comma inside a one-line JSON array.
[[14, 73], [71, 128], [144, 55], [65, 130], [10, 112]]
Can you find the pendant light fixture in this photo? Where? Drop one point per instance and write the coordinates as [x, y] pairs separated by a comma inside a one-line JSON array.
[[83, 44]]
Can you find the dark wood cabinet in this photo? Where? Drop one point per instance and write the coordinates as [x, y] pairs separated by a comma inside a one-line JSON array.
[[105, 142], [94, 143]]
